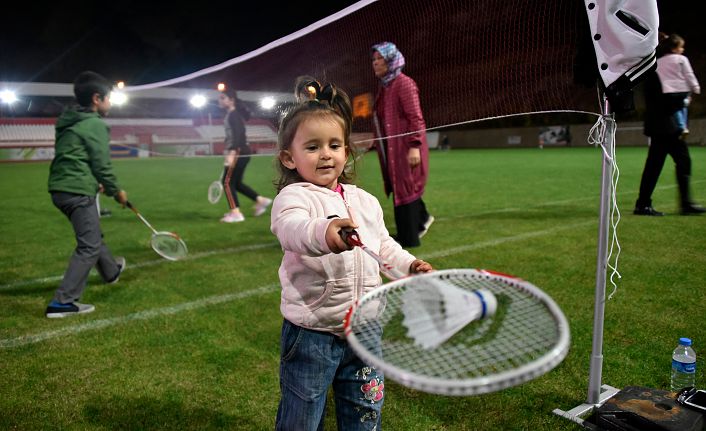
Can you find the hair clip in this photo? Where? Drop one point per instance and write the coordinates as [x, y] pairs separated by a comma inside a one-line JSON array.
[[315, 92], [311, 89], [327, 93]]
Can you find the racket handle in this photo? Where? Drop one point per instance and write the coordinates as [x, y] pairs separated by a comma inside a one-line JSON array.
[[129, 205], [144, 220], [351, 237]]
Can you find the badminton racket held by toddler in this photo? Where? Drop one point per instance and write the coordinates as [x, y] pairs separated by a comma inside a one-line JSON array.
[[351, 238]]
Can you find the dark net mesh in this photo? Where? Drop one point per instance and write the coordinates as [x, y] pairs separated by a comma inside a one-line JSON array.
[[471, 60]]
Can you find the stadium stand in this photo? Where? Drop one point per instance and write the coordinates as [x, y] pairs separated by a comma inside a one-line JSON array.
[[134, 137]]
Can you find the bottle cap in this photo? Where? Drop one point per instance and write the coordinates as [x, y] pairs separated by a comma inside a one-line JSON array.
[[685, 341]]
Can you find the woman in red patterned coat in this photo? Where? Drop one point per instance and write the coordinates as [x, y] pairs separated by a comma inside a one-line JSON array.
[[402, 143]]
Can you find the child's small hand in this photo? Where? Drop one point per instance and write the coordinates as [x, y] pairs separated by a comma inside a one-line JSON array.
[[121, 197], [333, 234], [420, 266]]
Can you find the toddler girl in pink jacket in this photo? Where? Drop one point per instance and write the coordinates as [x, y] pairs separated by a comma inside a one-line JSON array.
[[321, 275]]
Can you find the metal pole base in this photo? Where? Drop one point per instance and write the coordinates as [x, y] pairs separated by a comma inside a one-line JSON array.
[[579, 413]]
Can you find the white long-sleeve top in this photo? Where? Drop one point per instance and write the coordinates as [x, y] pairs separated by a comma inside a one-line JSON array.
[[318, 286], [676, 75]]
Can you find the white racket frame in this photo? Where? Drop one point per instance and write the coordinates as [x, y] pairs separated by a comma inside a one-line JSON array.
[[218, 184], [470, 386], [156, 234], [172, 235]]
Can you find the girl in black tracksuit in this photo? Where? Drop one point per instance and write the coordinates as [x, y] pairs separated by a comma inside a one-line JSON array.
[[237, 157]]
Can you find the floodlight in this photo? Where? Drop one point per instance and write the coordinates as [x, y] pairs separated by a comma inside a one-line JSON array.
[[198, 101], [221, 86], [8, 97], [118, 98], [120, 84], [267, 102]]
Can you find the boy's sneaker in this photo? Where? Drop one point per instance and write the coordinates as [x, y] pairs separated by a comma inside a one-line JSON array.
[[105, 213], [427, 224], [58, 310], [233, 218], [122, 264], [260, 208]]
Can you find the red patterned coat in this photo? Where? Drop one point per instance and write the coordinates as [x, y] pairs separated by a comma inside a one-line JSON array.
[[398, 111]]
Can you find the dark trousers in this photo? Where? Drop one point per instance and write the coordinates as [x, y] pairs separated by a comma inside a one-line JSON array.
[[90, 249], [410, 219], [233, 182], [660, 147]]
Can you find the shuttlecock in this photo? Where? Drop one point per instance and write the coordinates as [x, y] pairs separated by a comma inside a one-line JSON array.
[[434, 310]]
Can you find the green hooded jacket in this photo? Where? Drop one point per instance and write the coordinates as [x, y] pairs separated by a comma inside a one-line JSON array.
[[82, 155]]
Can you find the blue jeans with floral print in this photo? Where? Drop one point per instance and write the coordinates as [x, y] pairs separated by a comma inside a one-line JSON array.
[[310, 362]]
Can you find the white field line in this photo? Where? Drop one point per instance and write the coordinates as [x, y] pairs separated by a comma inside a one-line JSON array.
[[498, 241], [559, 202], [190, 256], [219, 299], [140, 315], [265, 245]]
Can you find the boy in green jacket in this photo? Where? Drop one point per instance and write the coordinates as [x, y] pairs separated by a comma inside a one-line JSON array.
[[81, 164]]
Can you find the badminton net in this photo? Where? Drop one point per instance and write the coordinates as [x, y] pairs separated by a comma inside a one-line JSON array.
[[487, 59]]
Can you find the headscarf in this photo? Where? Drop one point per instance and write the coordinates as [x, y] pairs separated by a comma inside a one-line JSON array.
[[394, 59]]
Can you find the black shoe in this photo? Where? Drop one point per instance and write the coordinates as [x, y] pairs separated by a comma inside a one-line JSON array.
[[122, 264], [693, 210], [648, 211], [59, 310], [105, 213]]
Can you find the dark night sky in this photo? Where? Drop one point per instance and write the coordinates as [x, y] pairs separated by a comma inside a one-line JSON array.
[[142, 41]]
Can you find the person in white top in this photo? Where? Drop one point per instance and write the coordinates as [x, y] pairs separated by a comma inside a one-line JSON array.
[[321, 275], [665, 90], [676, 75]]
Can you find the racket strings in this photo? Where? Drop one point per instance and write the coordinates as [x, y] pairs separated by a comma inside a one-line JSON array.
[[169, 246], [215, 191], [526, 332]]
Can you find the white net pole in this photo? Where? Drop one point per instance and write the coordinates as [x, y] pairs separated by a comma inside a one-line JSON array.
[[594, 379]]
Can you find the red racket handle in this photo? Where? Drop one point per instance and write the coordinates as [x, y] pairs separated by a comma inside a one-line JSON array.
[[352, 238]]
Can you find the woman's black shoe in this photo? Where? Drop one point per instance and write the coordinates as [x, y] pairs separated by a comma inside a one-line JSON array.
[[648, 211]]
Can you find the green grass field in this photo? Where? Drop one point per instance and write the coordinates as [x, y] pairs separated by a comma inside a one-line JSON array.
[[194, 344]]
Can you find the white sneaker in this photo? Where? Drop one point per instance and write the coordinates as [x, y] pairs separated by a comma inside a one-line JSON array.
[[261, 208], [427, 224], [233, 218]]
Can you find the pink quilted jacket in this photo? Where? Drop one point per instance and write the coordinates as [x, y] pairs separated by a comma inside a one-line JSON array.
[[318, 287]]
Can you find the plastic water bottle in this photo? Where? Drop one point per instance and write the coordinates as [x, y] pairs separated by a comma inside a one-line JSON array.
[[683, 365]]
